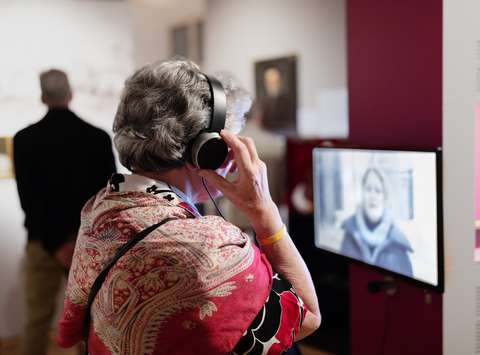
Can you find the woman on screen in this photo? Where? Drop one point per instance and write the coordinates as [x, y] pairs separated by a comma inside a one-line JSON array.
[[371, 235]]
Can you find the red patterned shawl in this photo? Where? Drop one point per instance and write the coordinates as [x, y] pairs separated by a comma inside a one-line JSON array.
[[191, 287]]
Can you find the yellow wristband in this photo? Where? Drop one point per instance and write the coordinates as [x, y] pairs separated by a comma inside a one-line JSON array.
[[273, 238]]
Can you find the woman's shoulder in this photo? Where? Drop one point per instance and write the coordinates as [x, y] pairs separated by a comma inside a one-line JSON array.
[[212, 229]]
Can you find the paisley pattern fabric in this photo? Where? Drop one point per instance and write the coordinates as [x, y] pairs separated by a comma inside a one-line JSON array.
[[196, 285], [191, 287]]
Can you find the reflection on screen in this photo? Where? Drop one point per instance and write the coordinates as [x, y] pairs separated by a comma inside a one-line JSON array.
[[379, 207]]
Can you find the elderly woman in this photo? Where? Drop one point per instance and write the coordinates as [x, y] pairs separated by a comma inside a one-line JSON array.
[[371, 234], [196, 284]]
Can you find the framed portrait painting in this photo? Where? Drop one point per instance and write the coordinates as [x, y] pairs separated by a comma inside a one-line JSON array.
[[276, 93], [186, 40]]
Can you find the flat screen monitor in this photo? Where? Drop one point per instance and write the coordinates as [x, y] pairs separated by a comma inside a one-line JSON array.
[[382, 208]]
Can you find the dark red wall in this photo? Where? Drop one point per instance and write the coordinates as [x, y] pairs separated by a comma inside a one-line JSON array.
[[395, 99], [395, 72]]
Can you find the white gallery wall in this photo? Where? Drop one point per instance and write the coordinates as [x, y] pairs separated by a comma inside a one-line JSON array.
[[153, 21], [461, 92], [92, 42], [238, 33]]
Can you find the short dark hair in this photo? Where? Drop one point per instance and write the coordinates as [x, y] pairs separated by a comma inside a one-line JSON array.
[[55, 87]]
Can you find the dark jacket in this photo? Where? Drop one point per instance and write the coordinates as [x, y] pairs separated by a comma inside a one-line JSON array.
[[60, 162], [391, 254]]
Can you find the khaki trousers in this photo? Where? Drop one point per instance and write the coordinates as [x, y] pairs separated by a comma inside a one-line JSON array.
[[43, 277]]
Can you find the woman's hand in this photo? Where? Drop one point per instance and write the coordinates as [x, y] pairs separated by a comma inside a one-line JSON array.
[[249, 192]]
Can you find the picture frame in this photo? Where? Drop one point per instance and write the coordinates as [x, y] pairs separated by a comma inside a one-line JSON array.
[[186, 40], [276, 93]]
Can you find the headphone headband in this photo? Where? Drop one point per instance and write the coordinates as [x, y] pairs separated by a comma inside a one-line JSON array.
[[218, 105]]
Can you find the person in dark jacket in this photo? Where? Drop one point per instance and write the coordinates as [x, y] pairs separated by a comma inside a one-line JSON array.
[[60, 162], [371, 234]]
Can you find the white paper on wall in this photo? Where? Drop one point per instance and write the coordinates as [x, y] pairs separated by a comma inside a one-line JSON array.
[[328, 118]]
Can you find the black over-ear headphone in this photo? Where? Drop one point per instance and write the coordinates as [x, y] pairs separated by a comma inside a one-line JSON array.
[[208, 150]]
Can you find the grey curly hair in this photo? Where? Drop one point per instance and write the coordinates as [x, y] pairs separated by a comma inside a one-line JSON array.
[[163, 107]]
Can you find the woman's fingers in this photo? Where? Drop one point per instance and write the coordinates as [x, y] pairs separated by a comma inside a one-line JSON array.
[[251, 148], [240, 150]]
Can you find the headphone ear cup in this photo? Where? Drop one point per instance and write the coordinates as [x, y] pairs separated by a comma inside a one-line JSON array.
[[208, 151]]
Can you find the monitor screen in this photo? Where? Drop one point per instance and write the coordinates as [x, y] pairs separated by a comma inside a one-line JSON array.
[[382, 208]]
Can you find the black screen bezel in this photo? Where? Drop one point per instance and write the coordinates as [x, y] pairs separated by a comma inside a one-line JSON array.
[[440, 287]]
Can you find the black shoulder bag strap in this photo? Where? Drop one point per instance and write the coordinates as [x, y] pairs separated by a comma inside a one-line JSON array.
[[103, 274]]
